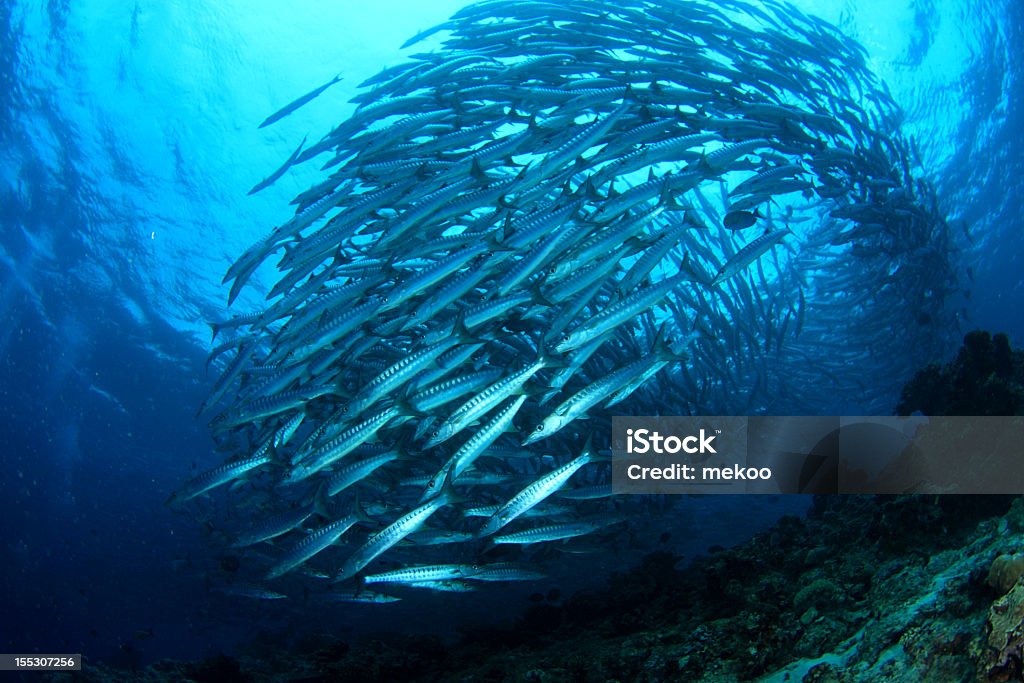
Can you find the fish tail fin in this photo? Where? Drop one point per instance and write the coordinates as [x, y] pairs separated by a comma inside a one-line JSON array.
[[497, 243], [519, 117], [341, 391], [548, 395], [588, 191], [661, 348], [448, 492], [659, 337], [288, 246], [360, 513], [402, 450], [532, 388], [592, 454], [504, 203], [693, 273], [460, 333], [703, 164], [635, 245], [547, 360], [539, 297], [588, 447], [405, 406], [321, 501], [668, 200]]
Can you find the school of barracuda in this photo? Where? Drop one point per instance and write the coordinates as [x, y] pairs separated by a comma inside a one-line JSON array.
[[672, 207]]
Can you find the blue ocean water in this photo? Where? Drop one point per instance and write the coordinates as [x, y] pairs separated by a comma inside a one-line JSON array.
[[128, 135]]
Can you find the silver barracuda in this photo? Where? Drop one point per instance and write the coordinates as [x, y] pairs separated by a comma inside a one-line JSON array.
[[272, 528], [341, 445], [483, 402], [434, 572], [624, 310], [535, 493], [299, 102], [221, 475], [586, 398], [381, 541], [474, 447], [553, 532], [316, 542], [748, 254]]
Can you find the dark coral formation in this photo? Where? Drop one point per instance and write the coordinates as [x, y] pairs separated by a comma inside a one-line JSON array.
[[987, 378], [863, 589]]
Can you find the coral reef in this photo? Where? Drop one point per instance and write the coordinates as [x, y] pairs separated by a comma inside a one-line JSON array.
[[1005, 572], [987, 378], [855, 592], [1006, 638]]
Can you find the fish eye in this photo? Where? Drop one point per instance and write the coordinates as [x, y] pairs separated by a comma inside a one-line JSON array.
[[435, 434], [565, 337], [540, 428]]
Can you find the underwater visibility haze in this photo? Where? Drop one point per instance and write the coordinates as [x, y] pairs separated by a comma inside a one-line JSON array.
[[316, 317]]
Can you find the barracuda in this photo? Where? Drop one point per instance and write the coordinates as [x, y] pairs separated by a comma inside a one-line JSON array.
[[276, 526], [434, 572], [748, 254], [274, 404], [219, 476], [536, 492], [506, 571], [315, 543], [299, 102], [586, 398], [430, 277], [624, 310], [403, 370], [474, 447], [341, 445], [355, 472], [273, 177], [446, 391], [381, 541], [482, 403], [283, 435], [553, 532]]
